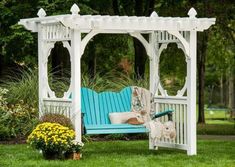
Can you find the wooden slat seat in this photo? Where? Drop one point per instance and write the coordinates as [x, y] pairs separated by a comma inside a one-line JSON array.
[[115, 128], [97, 106]]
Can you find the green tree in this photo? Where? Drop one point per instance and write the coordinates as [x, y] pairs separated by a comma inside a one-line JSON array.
[[16, 44]]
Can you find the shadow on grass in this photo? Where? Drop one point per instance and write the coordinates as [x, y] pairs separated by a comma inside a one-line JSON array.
[[127, 148]]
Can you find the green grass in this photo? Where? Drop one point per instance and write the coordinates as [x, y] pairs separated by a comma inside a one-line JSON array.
[[220, 122], [216, 114], [126, 153], [216, 129], [217, 123]]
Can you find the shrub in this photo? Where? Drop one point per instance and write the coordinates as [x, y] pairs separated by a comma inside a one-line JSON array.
[[5, 132], [22, 86], [16, 120], [57, 118]]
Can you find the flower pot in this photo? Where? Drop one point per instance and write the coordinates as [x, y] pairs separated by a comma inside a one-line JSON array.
[[73, 156], [77, 156], [51, 155]]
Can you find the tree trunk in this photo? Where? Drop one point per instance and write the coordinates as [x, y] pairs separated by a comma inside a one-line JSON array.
[[231, 102], [137, 8], [221, 90], [1, 64], [140, 58], [91, 60], [141, 9], [116, 7], [201, 77]]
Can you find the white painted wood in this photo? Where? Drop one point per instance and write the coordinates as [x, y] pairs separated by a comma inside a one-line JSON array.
[[172, 145], [57, 106], [153, 73], [185, 123], [181, 92], [192, 13], [154, 14], [75, 9], [76, 82], [56, 32], [58, 100], [153, 64], [86, 24], [69, 91], [170, 100], [41, 13], [41, 90], [177, 121], [191, 93], [181, 123], [47, 50], [177, 118]]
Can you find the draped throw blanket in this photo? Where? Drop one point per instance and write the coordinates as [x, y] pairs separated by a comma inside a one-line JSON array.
[[142, 102]]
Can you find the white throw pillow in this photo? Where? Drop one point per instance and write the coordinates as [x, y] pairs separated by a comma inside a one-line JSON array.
[[122, 117]]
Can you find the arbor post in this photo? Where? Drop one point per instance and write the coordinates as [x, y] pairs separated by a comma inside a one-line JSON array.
[[76, 82], [191, 93]]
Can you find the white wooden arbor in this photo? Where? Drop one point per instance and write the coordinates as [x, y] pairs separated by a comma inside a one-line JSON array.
[[161, 30]]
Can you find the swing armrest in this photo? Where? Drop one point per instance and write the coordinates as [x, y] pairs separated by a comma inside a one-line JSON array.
[[166, 112]]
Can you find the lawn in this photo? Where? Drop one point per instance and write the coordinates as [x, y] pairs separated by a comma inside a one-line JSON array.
[[217, 123], [216, 129], [125, 153]]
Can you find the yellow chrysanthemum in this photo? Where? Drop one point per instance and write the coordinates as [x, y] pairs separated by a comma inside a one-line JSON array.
[[51, 135]]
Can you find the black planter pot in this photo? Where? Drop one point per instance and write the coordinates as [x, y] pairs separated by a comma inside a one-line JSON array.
[[52, 155]]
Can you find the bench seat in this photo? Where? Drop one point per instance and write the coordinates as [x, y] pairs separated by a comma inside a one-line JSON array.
[[114, 128], [97, 106]]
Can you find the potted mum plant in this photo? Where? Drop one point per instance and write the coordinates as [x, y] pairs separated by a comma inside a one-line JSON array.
[[74, 150], [52, 139]]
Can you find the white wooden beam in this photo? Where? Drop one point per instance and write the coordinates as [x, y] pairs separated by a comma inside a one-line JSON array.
[[40, 72], [48, 46], [68, 46], [76, 82], [191, 95]]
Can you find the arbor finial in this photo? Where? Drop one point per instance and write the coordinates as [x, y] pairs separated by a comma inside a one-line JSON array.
[[192, 13], [75, 9], [41, 13], [154, 14]]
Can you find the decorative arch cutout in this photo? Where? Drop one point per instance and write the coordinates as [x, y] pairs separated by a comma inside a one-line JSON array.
[[162, 91], [47, 52]]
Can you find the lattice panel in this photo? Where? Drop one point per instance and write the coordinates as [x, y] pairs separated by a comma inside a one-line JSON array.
[[56, 32], [179, 117]]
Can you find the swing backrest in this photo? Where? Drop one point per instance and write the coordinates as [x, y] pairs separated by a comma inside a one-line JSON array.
[[97, 106]]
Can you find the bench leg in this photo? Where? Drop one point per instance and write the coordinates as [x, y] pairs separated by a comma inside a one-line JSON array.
[[151, 144]]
